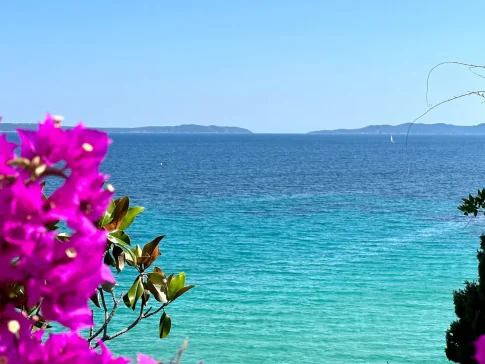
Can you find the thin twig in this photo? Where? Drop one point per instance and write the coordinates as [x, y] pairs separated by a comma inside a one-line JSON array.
[[475, 73], [180, 352], [470, 66], [140, 317], [441, 103], [108, 320], [154, 312], [105, 327], [91, 329]]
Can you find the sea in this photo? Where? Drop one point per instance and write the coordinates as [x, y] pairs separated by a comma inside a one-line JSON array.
[[303, 248]]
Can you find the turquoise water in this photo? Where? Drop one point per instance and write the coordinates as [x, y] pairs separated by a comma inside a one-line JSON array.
[[304, 248]]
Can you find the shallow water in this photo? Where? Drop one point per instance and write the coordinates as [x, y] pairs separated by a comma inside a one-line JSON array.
[[304, 248]]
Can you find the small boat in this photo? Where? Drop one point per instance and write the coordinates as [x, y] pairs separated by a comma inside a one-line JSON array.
[[392, 140]]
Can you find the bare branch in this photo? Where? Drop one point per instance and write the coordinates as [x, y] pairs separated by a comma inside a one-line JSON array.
[[179, 353], [441, 103], [140, 317], [476, 73], [155, 312], [470, 66], [104, 327]]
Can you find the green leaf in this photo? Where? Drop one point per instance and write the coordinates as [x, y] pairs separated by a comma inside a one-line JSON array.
[[95, 299], [130, 297], [130, 216], [157, 285], [165, 325], [176, 284], [139, 292], [106, 219], [120, 234], [182, 291], [117, 241]]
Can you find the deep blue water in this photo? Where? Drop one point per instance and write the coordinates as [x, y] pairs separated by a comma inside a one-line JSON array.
[[304, 248]]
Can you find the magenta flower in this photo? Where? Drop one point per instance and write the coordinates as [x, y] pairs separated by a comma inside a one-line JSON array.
[[7, 154], [41, 271], [480, 350], [81, 201], [69, 348], [49, 142], [76, 272], [145, 359], [87, 148], [15, 339]]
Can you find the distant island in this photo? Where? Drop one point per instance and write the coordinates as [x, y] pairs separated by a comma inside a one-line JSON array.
[[429, 129], [179, 129]]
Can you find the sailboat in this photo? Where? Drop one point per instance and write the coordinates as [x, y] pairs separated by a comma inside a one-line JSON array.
[[392, 140]]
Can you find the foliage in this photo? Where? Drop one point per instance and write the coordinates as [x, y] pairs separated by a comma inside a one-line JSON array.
[[474, 205], [49, 273], [148, 283], [470, 311]]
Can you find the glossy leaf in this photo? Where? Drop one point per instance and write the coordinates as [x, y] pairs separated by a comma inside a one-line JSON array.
[[175, 285], [121, 235], [182, 291], [130, 297], [95, 299], [119, 212], [105, 220], [146, 296], [165, 325], [109, 260], [117, 241], [108, 286], [119, 256], [139, 292], [152, 250], [130, 216], [157, 284], [130, 258]]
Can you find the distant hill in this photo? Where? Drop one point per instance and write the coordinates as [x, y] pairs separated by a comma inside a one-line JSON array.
[[436, 129], [186, 129]]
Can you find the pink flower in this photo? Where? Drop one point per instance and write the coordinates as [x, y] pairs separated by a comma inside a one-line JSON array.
[[50, 142], [144, 359], [76, 272], [7, 153], [15, 339], [87, 148], [69, 348], [81, 201], [480, 350]]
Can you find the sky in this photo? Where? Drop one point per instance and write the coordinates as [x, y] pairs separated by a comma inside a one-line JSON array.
[[272, 66]]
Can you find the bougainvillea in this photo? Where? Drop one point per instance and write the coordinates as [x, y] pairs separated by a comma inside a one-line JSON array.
[[48, 276]]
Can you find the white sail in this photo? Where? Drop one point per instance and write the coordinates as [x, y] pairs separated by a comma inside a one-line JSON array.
[[392, 140]]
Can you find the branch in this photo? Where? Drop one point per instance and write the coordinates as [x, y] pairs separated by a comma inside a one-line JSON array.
[[441, 103], [105, 328], [140, 317], [470, 66], [107, 320], [154, 312], [179, 353]]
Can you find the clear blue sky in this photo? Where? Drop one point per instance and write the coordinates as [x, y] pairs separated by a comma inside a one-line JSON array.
[[267, 65]]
